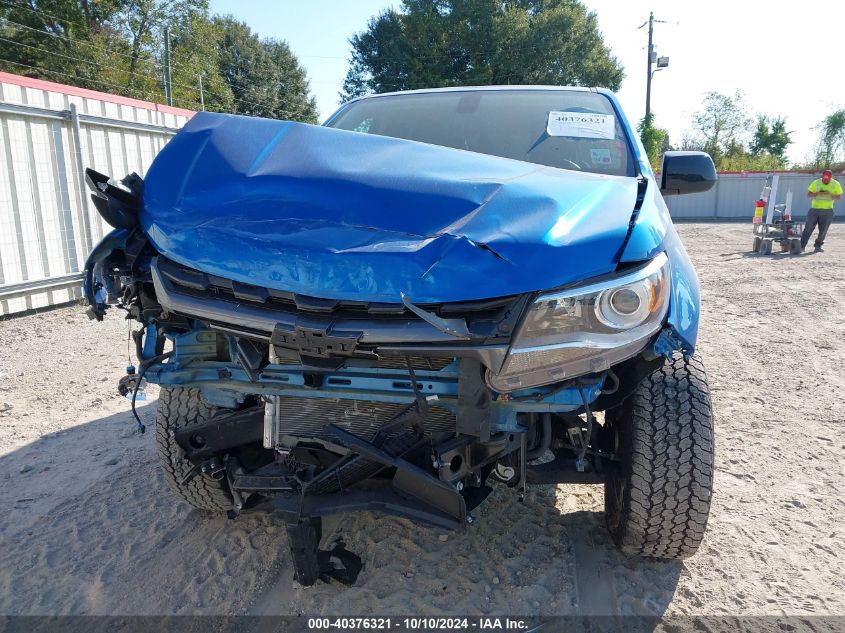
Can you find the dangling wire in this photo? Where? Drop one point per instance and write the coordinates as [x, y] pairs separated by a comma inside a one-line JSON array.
[[142, 369], [422, 403], [128, 341], [579, 464]]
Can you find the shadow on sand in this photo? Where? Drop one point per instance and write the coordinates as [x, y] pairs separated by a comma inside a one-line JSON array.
[[93, 530]]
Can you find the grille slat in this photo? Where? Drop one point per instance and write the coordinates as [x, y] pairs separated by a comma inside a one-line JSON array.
[[198, 284]]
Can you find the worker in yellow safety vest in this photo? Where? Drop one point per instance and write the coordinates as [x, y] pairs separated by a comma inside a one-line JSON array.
[[823, 191]]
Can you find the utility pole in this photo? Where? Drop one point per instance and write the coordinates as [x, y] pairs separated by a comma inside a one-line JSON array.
[[662, 62], [168, 85], [650, 62], [202, 98]]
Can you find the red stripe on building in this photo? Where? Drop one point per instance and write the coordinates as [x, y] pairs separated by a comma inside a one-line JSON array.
[[41, 84]]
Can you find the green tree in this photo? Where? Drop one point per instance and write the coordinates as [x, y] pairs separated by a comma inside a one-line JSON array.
[[108, 45], [655, 140], [436, 43], [830, 146], [720, 126], [737, 158], [771, 138], [116, 46], [265, 77], [195, 54], [143, 23], [67, 41]]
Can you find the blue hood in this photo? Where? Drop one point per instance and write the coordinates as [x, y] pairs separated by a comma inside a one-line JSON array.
[[350, 216]]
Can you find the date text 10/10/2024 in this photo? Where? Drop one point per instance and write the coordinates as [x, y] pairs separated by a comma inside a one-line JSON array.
[[418, 624]]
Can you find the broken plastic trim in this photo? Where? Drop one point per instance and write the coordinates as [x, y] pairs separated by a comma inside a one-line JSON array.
[[263, 322], [115, 240], [119, 207], [453, 327]]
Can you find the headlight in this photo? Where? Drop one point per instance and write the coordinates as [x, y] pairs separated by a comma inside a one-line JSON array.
[[586, 329]]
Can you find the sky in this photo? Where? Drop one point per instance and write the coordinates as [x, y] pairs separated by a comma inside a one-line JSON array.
[[786, 60]]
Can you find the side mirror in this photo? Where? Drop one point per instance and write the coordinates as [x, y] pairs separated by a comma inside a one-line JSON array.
[[687, 172]]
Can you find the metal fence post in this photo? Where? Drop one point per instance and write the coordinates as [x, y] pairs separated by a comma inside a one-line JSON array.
[[76, 132], [716, 199], [21, 284], [63, 181]]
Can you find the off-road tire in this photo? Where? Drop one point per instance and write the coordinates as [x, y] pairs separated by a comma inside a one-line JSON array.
[[658, 506], [756, 247], [795, 247], [178, 408]]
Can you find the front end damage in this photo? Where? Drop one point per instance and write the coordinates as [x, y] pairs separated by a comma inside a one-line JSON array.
[[332, 407], [328, 406]]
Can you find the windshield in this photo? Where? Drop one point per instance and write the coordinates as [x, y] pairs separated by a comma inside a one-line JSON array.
[[559, 128]]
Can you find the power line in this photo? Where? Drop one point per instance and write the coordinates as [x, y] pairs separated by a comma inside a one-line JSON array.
[[147, 95], [238, 85], [137, 72], [14, 5], [126, 55], [11, 4], [417, 54], [7, 21], [241, 86], [98, 65], [76, 59], [56, 72], [84, 43]]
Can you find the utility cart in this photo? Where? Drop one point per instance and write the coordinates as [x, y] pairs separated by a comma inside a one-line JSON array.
[[778, 225]]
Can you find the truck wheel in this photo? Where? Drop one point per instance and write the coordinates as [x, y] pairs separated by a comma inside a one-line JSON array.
[[178, 408], [756, 246], [766, 247], [657, 506]]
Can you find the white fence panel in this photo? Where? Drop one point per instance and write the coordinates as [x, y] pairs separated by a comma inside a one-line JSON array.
[[49, 133], [733, 196]]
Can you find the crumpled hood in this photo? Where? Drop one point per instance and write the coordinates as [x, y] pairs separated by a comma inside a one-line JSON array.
[[351, 216]]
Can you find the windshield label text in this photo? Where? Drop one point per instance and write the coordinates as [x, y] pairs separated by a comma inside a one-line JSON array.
[[581, 125]]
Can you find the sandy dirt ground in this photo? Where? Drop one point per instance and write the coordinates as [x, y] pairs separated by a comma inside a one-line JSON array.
[[87, 526]]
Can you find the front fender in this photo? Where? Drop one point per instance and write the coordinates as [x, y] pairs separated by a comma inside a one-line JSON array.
[[685, 301], [653, 233]]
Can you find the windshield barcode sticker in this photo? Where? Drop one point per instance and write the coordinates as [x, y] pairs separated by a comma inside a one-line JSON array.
[[581, 125]]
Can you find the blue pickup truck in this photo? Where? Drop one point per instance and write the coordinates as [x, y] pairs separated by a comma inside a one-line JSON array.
[[434, 292]]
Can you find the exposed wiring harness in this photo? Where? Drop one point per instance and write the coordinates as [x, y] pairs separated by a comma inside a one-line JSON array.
[[142, 369]]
